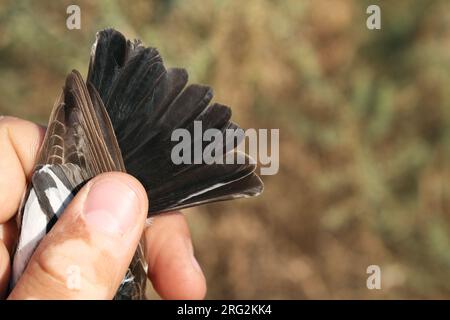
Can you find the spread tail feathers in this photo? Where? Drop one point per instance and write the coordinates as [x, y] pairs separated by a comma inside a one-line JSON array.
[[146, 102]]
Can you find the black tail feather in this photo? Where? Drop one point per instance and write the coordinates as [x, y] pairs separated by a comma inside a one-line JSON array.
[[145, 103]]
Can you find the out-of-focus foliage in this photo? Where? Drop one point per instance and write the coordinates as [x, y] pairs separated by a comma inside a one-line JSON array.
[[364, 119]]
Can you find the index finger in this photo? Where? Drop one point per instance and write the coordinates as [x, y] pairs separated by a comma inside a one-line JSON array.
[[19, 145]]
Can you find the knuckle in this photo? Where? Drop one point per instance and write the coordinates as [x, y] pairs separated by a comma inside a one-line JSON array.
[[49, 269], [73, 265]]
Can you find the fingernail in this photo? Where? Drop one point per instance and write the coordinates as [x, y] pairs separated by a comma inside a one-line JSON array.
[[111, 206]]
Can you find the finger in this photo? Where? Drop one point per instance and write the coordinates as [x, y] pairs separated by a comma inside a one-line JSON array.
[[172, 267], [8, 234], [88, 251], [4, 269], [19, 144]]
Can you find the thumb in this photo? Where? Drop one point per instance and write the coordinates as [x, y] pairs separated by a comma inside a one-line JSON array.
[[87, 252]]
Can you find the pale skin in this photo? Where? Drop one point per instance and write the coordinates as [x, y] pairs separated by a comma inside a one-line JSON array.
[[81, 237]]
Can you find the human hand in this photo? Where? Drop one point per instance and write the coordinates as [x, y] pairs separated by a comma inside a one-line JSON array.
[[98, 232]]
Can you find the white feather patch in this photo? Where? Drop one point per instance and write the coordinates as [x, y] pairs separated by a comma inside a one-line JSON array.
[[34, 222]]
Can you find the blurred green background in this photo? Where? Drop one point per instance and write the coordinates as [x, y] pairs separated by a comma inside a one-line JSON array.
[[364, 119]]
